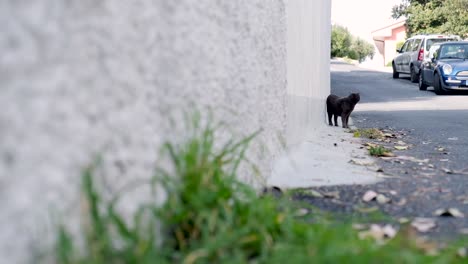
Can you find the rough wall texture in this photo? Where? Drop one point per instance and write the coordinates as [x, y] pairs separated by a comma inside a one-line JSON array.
[[308, 66], [81, 77]]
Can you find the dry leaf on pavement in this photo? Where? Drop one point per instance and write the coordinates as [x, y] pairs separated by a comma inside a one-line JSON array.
[[302, 212], [401, 147], [333, 195], [369, 196], [379, 233], [382, 199], [423, 224], [452, 212]]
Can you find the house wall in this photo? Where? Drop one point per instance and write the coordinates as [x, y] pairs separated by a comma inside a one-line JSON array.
[[398, 34], [81, 78]]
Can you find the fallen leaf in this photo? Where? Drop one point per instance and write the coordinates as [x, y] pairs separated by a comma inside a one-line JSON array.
[[315, 194], [369, 144], [392, 192], [452, 212], [462, 252], [369, 196], [399, 142], [302, 212], [362, 162], [444, 159], [382, 199], [429, 247], [389, 135], [367, 209], [389, 231], [334, 195], [409, 158], [426, 142], [357, 226], [403, 220], [335, 201], [401, 147], [401, 202], [440, 149], [453, 138], [388, 154], [378, 233], [423, 225], [448, 171]]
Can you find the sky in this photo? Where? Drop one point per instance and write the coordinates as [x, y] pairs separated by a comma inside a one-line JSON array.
[[361, 17]]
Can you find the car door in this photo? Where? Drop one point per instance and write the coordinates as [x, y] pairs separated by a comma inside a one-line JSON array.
[[406, 57], [399, 59], [431, 64]]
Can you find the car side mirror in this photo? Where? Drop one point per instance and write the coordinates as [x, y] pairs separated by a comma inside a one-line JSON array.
[[398, 50]]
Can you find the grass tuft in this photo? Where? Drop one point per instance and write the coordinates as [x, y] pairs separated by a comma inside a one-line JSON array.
[[211, 217], [378, 151]]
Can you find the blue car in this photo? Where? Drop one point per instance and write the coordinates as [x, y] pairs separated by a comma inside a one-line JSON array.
[[446, 69]]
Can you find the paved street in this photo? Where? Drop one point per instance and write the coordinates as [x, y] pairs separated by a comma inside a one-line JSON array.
[[436, 130]]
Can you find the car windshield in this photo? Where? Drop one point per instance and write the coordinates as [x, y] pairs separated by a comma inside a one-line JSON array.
[[454, 51]]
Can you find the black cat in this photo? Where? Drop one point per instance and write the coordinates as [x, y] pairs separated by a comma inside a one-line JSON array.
[[341, 106]]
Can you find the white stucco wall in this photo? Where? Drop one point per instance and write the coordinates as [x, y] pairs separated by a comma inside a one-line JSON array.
[[83, 77], [308, 60]]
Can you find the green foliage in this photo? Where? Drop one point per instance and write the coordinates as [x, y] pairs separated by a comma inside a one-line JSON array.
[[377, 151], [399, 44], [343, 44], [340, 41], [434, 16], [211, 217]]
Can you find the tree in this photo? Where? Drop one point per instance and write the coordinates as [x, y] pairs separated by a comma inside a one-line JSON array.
[[340, 41], [434, 16], [343, 44], [363, 49]]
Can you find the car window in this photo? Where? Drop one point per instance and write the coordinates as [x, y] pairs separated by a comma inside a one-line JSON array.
[[415, 44], [433, 51], [430, 42], [455, 51], [406, 45]]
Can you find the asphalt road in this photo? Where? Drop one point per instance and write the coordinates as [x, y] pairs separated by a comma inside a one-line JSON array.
[[435, 128]]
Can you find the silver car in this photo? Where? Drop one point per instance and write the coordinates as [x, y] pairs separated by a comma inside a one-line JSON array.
[[414, 51]]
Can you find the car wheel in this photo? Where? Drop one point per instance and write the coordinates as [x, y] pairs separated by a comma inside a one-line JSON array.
[[414, 76], [422, 84], [395, 73], [437, 85]]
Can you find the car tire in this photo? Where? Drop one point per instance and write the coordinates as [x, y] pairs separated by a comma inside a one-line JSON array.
[[437, 85], [395, 73], [422, 84], [414, 76]]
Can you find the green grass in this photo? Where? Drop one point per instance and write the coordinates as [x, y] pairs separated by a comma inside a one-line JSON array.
[[211, 217], [378, 151]]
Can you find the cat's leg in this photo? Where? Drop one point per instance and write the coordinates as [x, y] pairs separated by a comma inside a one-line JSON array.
[[347, 119], [344, 120], [336, 119], [330, 114]]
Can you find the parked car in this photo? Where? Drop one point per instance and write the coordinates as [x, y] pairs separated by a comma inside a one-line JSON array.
[[446, 68], [414, 51]]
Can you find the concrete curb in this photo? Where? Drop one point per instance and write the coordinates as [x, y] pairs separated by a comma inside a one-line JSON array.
[[329, 156]]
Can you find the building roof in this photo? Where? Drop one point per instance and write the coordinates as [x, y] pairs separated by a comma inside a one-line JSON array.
[[386, 31]]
